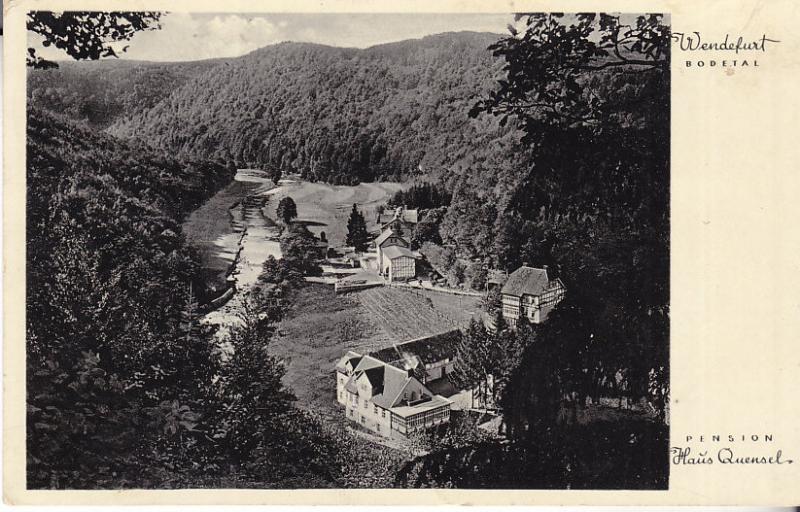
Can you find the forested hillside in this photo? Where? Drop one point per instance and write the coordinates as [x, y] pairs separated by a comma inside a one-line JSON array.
[[549, 148], [335, 114], [124, 386], [100, 92]]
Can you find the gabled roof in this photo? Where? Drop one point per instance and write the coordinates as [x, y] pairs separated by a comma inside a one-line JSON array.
[[350, 357], [428, 350], [383, 237], [396, 251], [394, 380], [375, 378], [366, 363], [526, 281]]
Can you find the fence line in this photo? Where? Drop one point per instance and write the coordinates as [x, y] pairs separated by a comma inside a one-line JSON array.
[[436, 289]]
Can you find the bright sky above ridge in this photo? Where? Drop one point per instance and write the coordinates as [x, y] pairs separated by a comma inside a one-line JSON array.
[[194, 36]]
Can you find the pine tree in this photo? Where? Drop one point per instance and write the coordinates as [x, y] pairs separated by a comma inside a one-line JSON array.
[[357, 230], [287, 210]]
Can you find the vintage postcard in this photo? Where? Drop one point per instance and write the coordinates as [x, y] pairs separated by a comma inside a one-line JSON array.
[[428, 253]]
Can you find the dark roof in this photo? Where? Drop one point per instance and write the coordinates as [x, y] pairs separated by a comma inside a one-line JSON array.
[[429, 350], [352, 357], [526, 281], [383, 236], [375, 378], [394, 380], [395, 251], [443, 386], [387, 381]]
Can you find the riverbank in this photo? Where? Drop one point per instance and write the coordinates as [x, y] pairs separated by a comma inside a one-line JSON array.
[[234, 237]]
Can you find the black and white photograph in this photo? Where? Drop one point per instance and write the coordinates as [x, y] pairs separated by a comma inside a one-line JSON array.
[[347, 250]]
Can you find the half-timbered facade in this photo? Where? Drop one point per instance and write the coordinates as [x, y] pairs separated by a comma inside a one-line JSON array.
[[530, 293]]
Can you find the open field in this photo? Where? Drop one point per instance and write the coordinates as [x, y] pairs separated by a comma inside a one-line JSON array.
[[321, 326], [327, 207], [318, 329], [405, 314]]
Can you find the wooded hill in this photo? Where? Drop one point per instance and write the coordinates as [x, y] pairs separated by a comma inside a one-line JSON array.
[[577, 180], [99, 92], [340, 115]]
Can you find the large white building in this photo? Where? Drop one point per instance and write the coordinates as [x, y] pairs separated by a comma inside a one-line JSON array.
[[403, 388]]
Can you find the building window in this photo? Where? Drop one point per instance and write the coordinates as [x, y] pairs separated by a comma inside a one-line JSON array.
[[365, 403], [383, 413], [375, 409], [362, 420], [351, 412], [379, 426]]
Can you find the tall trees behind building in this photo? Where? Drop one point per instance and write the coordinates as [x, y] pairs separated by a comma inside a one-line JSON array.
[[592, 97]]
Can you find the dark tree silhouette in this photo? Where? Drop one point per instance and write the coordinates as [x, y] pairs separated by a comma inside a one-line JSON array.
[[287, 210], [86, 35], [591, 95], [357, 230]]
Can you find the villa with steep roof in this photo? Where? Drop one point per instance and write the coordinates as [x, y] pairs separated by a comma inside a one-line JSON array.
[[401, 389], [529, 292]]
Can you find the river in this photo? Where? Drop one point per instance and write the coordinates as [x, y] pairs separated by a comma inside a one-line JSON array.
[[249, 229], [240, 235]]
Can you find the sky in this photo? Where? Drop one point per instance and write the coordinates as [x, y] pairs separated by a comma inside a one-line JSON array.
[[195, 36]]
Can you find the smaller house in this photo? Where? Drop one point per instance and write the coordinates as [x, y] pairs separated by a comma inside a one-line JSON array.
[[399, 263], [529, 292], [401, 217], [387, 239], [495, 279]]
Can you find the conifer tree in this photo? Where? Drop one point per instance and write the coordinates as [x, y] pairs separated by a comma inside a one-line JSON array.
[[357, 230], [287, 210]]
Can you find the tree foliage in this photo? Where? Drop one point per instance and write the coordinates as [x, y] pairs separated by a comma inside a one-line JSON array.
[[592, 97], [423, 196], [287, 210], [357, 230], [86, 35], [338, 115], [125, 387]]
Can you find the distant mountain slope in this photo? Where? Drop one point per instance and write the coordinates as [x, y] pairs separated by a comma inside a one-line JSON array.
[[341, 115], [99, 92]]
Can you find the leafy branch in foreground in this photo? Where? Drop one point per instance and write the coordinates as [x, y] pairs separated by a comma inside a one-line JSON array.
[[86, 35]]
